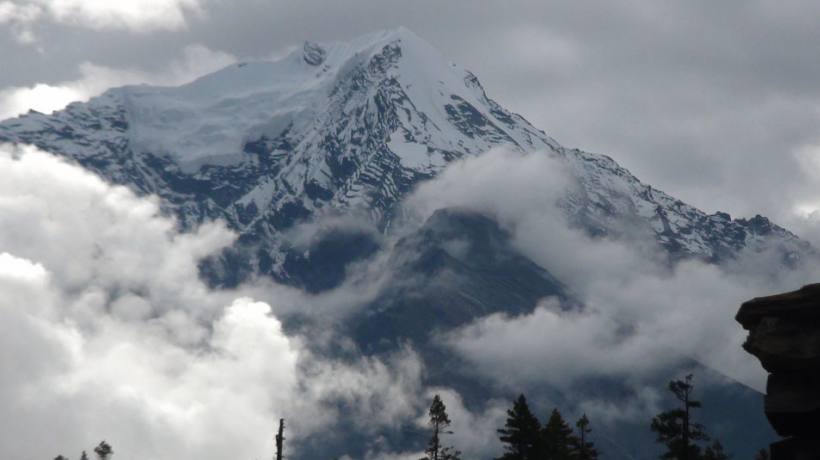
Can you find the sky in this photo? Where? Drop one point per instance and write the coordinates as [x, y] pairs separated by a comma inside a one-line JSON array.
[[716, 104]]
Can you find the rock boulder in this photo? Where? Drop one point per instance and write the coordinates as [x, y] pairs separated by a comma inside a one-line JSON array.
[[784, 333]]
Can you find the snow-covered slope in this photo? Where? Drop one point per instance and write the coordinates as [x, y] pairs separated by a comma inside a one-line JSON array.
[[342, 127]]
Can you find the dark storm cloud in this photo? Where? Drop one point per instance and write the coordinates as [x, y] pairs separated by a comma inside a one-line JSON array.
[[715, 103]]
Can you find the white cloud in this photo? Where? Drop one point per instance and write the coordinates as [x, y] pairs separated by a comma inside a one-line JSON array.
[[77, 256], [377, 392], [106, 332], [40, 97], [505, 184], [641, 318], [19, 17], [140, 16], [195, 61], [10, 11], [14, 268]]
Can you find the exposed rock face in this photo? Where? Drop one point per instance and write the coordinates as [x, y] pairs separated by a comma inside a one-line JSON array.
[[340, 128], [313, 53], [784, 333]]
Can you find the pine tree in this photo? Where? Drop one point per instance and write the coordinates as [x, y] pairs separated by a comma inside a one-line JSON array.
[[715, 452], [83, 456], [762, 454], [675, 427], [557, 439], [103, 450], [584, 449], [60, 457], [521, 434], [440, 421]]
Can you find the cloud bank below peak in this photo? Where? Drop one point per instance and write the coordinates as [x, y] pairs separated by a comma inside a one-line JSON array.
[[641, 317], [106, 332]]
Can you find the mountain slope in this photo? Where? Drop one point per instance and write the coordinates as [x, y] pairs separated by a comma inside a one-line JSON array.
[[352, 128], [344, 127], [458, 266]]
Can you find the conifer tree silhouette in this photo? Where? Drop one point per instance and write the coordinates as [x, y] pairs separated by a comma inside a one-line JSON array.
[[715, 451], [584, 449], [675, 427], [521, 434], [103, 451], [439, 422], [558, 441]]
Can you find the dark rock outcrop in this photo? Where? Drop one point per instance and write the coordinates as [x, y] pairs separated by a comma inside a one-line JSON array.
[[313, 53], [784, 333]]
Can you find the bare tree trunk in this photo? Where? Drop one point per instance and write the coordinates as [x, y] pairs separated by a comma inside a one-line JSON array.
[[686, 426], [435, 441], [280, 439]]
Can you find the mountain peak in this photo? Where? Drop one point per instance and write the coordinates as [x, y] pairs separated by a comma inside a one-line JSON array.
[[338, 127], [210, 120], [385, 36], [315, 53]]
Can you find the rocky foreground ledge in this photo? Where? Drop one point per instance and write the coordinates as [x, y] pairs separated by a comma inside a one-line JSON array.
[[784, 333]]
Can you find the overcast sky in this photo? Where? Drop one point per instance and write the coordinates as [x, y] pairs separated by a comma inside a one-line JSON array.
[[713, 102]]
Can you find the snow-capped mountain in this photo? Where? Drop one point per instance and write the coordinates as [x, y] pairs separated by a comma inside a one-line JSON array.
[[343, 127], [352, 128]]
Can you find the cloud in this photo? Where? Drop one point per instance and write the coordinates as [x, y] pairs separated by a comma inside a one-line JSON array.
[[195, 61], [377, 392], [40, 97], [641, 318], [150, 397], [538, 179], [12, 268], [106, 332], [558, 346], [142, 16], [468, 432], [20, 17]]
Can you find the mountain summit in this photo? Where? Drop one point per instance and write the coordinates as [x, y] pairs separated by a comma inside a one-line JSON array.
[[345, 127]]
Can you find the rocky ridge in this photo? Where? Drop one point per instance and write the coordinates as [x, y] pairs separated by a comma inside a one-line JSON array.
[[346, 128]]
